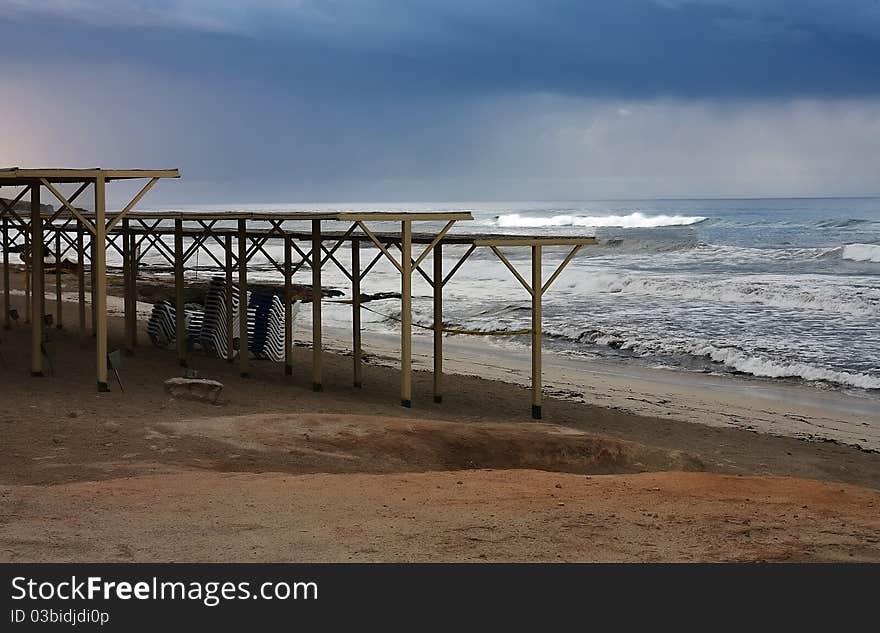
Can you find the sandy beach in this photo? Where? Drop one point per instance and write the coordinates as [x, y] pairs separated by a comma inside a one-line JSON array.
[[627, 466]]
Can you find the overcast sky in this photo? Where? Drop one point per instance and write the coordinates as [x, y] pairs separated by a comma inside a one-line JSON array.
[[394, 100]]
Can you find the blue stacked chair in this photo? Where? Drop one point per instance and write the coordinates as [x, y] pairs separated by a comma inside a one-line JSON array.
[[206, 329], [266, 330]]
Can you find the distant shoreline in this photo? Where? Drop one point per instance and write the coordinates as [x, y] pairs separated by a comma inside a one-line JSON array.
[[747, 403]]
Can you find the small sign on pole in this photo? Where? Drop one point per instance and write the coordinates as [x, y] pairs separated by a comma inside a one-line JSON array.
[[114, 362]]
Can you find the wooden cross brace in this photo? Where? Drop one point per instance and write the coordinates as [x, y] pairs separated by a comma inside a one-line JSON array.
[[67, 203], [549, 282]]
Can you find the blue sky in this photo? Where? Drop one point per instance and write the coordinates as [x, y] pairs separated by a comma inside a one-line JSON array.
[[341, 100]]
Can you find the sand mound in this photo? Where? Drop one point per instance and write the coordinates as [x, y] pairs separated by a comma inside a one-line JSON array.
[[513, 515], [360, 443]]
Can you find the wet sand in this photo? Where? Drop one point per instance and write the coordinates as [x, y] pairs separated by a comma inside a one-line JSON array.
[[279, 472]]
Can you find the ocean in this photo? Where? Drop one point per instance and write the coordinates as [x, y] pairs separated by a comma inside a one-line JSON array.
[[772, 289]]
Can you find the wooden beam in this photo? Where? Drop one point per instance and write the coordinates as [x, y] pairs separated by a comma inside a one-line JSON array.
[[288, 310], [386, 216], [356, 313], [179, 297], [7, 318], [317, 360], [70, 200], [406, 315], [81, 281], [242, 300], [37, 283], [8, 207], [27, 280], [133, 202], [512, 269], [129, 274], [458, 264], [58, 302], [99, 290], [372, 263], [80, 175], [64, 201], [438, 322], [45, 246], [434, 243], [525, 240], [536, 332], [93, 283], [380, 246], [230, 320], [561, 267]]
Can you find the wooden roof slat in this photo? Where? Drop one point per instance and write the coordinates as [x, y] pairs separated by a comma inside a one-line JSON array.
[[395, 216], [536, 240], [13, 175], [477, 239]]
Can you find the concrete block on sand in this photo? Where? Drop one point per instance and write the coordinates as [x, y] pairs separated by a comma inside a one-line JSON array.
[[200, 389]]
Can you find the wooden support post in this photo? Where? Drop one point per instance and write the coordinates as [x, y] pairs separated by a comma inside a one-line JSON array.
[[94, 282], [316, 306], [438, 322], [58, 302], [42, 294], [81, 280], [406, 314], [536, 332], [130, 296], [7, 319], [179, 298], [356, 312], [230, 321], [288, 311], [133, 269], [99, 289], [242, 299], [37, 283], [27, 280], [126, 280]]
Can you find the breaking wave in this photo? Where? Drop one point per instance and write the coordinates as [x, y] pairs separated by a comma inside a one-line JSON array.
[[633, 220], [744, 363], [861, 301], [733, 359], [861, 252], [842, 222]]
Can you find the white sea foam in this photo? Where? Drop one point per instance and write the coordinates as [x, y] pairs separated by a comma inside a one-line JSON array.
[[633, 220], [811, 294], [740, 361], [861, 252], [731, 357]]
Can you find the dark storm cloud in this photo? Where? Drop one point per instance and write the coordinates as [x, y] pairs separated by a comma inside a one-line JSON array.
[[282, 100], [631, 48]]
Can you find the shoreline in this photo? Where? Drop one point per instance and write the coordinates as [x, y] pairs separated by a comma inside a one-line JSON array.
[[787, 410], [278, 472], [753, 404]]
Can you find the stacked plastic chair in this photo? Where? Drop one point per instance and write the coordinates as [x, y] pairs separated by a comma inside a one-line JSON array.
[[193, 320], [213, 336], [266, 326], [206, 329], [161, 326]]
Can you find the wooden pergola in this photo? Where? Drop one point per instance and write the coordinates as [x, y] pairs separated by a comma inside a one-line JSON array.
[[241, 237], [33, 181]]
